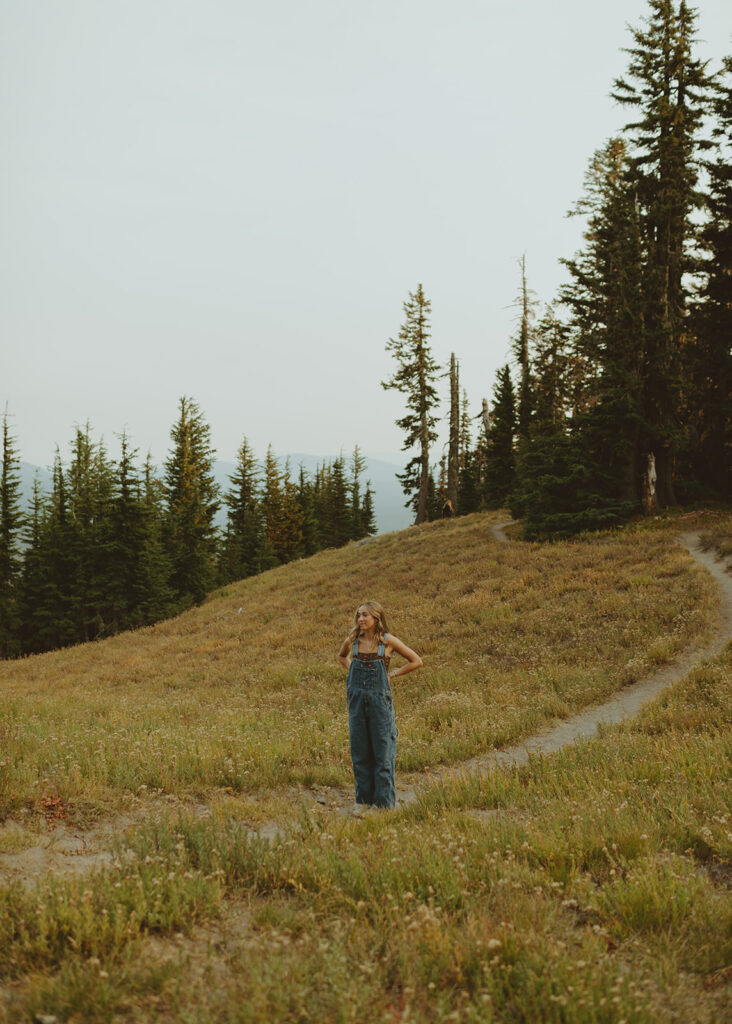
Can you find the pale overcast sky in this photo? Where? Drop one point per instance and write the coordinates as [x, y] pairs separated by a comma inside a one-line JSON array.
[[231, 200]]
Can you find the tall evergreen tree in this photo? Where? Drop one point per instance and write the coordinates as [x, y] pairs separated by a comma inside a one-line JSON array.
[[283, 514], [137, 591], [242, 548], [368, 515], [668, 87], [336, 510], [358, 465], [11, 523], [470, 482], [552, 384], [159, 600], [708, 395], [290, 542], [273, 508], [53, 621], [89, 483], [453, 458], [434, 506], [500, 470], [307, 499], [464, 437], [522, 355], [415, 378], [608, 332], [191, 496], [32, 588]]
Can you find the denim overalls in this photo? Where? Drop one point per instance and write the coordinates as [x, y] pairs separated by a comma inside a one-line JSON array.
[[372, 728]]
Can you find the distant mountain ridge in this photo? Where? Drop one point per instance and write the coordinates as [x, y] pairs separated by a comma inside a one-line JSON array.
[[388, 495]]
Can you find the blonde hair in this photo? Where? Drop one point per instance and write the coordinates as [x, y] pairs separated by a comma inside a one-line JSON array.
[[375, 609]]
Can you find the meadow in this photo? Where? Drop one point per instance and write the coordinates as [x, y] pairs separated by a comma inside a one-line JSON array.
[[592, 885]]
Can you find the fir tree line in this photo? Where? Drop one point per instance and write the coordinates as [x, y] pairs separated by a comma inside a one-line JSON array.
[[619, 395], [116, 545]]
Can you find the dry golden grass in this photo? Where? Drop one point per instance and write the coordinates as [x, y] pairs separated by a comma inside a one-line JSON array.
[[589, 887], [244, 692], [717, 532]]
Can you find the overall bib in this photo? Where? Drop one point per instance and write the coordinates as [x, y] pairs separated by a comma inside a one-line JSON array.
[[373, 729]]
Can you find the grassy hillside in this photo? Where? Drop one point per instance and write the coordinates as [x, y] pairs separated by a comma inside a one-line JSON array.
[[245, 692], [588, 886]]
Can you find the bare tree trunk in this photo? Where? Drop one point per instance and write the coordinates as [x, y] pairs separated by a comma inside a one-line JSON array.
[[650, 500], [424, 480]]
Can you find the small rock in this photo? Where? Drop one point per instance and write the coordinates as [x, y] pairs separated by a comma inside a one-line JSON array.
[[46, 1018]]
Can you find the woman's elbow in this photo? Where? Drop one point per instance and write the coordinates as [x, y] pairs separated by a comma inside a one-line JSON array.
[[418, 663]]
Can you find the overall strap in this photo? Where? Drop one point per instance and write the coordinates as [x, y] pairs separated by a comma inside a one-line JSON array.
[[355, 649], [380, 651]]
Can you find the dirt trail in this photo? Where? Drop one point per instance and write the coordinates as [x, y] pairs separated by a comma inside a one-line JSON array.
[[623, 704], [66, 850], [63, 850], [630, 699]]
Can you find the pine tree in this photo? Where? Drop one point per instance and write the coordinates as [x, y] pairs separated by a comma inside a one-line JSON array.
[[608, 335], [470, 483], [453, 459], [307, 498], [273, 508], [522, 354], [283, 515], [368, 517], [500, 469], [11, 523], [464, 437], [133, 579], [54, 620], [290, 542], [336, 509], [434, 506], [191, 495], [89, 483], [358, 465], [709, 390], [32, 587], [552, 384], [159, 600], [669, 89], [415, 378], [242, 548]]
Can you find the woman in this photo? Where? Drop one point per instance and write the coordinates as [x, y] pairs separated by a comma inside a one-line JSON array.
[[370, 710]]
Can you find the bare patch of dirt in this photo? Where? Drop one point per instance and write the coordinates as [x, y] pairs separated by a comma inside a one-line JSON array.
[[63, 850]]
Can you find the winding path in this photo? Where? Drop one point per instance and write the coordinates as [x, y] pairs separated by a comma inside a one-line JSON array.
[[629, 700], [68, 852], [624, 703]]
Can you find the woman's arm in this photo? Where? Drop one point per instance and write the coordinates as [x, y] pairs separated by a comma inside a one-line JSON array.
[[344, 652], [413, 660]]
